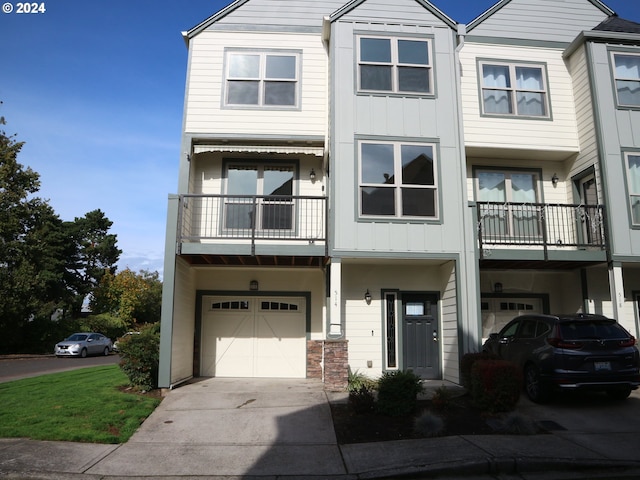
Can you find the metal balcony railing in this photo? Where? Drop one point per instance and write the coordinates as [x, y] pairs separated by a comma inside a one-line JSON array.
[[541, 224], [252, 218]]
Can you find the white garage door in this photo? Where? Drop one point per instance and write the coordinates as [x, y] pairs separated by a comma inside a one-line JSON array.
[[253, 337]]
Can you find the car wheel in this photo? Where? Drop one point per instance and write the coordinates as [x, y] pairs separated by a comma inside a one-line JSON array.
[[536, 391], [619, 393], [83, 353], [106, 351]]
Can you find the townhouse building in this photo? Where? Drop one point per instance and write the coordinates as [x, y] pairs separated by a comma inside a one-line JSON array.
[[372, 187]]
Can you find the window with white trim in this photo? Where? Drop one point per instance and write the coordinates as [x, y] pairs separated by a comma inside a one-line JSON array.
[[627, 77], [262, 79], [517, 89], [395, 65], [633, 165], [397, 180]]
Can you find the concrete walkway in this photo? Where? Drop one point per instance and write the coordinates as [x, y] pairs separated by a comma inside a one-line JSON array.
[[244, 428]]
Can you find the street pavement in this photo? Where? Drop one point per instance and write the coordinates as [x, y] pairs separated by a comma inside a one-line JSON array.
[[218, 428]]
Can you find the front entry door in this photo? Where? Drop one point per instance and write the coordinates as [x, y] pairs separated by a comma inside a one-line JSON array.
[[420, 335]]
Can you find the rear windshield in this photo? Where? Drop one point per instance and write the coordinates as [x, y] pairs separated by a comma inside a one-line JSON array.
[[581, 330]]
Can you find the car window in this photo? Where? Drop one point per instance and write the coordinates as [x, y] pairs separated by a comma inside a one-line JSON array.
[[528, 329], [77, 338], [581, 330], [94, 337], [542, 328], [509, 330]]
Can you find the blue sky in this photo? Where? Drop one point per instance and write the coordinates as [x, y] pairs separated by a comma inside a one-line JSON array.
[[96, 88]]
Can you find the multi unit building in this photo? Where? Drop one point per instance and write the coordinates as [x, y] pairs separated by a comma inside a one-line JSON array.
[[372, 186]]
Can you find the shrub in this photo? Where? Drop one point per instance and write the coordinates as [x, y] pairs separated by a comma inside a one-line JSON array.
[[495, 385], [428, 424], [441, 398], [357, 380], [104, 323], [361, 400], [397, 393], [466, 363], [517, 424], [140, 356]]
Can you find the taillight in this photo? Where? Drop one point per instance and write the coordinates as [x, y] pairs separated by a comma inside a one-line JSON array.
[[628, 343], [566, 344]]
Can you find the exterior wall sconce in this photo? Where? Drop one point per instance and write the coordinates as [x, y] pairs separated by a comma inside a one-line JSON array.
[[312, 175], [367, 297], [497, 287], [253, 285], [555, 179]]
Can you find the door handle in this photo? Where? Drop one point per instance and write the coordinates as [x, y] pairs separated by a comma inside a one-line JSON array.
[[435, 336]]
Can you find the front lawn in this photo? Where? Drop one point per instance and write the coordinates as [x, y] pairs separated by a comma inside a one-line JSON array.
[[84, 405]]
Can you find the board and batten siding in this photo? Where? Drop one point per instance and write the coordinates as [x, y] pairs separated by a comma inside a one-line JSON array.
[[559, 133], [183, 322], [541, 20], [204, 112]]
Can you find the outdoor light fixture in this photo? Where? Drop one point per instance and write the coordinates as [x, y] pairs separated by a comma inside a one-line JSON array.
[[367, 297], [312, 175], [554, 180], [253, 285], [497, 287]]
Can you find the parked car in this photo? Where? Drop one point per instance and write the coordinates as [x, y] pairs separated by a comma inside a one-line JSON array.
[[83, 344], [569, 352], [115, 344]]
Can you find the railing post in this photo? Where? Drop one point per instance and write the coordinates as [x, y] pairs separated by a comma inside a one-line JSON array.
[[479, 227], [545, 234], [254, 220]]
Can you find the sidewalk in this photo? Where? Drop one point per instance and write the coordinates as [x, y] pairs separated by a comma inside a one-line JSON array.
[[233, 428]]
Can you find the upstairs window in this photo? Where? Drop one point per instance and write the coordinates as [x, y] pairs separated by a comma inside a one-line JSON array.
[[398, 180], [514, 89], [262, 79], [633, 165], [627, 78], [395, 65]]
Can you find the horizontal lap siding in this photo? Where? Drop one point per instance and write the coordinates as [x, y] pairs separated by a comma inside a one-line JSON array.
[[546, 20], [205, 86], [449, 330], [403, 11], [559, 133]]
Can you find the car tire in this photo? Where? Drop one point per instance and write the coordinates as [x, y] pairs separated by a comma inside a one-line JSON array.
[[535, 389], [83, 353], [619, 393], [106, 351]]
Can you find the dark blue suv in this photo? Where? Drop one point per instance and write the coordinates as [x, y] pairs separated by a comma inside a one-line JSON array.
[[569, 352]]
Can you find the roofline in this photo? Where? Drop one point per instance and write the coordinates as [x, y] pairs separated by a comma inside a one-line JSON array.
[[346, 8], [493, 9], [189, 34], [600, 35]]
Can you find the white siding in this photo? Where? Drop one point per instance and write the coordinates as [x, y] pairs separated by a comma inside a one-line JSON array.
[[546, 20], [557, 134], [183, 323], [449, 330], [205, 87]]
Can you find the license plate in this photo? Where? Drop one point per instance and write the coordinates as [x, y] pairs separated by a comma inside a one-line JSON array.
[[600, 366]]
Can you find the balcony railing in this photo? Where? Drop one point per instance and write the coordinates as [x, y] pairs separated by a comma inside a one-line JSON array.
[[252, 218], [541, 224]]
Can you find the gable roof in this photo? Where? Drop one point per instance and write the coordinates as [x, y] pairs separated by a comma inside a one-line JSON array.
[[502, 3], [348, 7], [617, 24], [212, 19]]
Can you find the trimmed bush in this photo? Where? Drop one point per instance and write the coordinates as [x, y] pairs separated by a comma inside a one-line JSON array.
[[398, 392], [495, 385], [441, 398], [140, 357], [357, 380], [361, 400], [466, 363], [428, 424]]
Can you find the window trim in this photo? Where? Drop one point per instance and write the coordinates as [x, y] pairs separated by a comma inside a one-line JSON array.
[[395, 64], [614, 78], [397, 187], [263, 54], [629, 194], [512, 65]]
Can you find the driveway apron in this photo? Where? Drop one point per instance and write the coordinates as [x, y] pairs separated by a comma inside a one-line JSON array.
[[221, 426]]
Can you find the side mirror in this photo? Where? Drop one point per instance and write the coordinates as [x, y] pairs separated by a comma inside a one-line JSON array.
[[493, 336]]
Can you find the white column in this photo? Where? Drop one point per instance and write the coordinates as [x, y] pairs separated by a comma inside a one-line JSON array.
[[616, 288], [335, 299]]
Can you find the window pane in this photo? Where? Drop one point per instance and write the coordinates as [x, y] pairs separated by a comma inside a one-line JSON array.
[[417, 165], [628, 92], [419, 202], [278, 181], [277, 216], [378, 201], [627, 66], [281, 66], [491, 187], [375, 50], [239, 215], [377, 163], [242, 180], [496, 76], [279, 93], [531, 104], [244, 66], [497, 101], [412, 79], [523, 187], [528, 78], [634, 186], [415, 52], [375, 77], [242, 93]]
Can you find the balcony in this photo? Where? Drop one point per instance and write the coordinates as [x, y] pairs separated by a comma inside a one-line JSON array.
[[270, 230], [559, 235]]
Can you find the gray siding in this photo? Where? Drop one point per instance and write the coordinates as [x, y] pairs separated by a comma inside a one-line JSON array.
[[543, 20], [404, 11]]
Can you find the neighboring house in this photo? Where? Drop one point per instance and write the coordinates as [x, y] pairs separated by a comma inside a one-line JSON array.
[[371, 187]]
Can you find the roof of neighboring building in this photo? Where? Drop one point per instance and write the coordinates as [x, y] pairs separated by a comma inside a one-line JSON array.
[[617, 24]]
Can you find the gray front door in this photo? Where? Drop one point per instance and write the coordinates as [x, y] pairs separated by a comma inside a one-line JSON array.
[[420, 335]]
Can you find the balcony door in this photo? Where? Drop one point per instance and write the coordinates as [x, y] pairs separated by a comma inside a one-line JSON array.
[[517, 192], [588, 197], [259, 197]]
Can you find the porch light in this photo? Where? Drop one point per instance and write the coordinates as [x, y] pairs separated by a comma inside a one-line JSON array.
[[253, 285], [367, 297], [554, 180], [312, 175]]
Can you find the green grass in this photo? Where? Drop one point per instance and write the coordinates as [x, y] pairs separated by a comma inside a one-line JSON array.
[[78, 406]]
